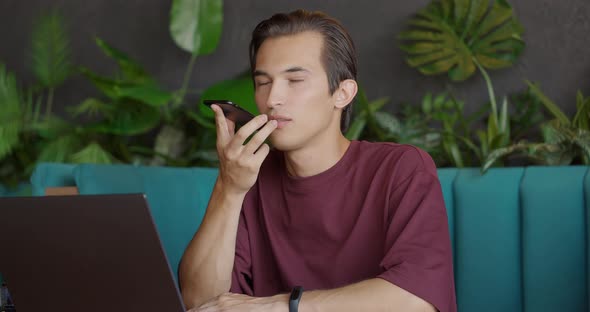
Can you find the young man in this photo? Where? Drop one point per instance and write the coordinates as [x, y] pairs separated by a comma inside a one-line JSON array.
[[360, 226]]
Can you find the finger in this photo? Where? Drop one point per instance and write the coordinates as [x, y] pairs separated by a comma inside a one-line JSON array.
[[259, 137], [208, 306], [247, 129], [212, 302], [223, 134], [261, 153], [231, 127], [208, 309]]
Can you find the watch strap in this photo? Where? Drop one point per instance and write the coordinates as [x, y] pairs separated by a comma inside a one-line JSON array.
[[294, 299]]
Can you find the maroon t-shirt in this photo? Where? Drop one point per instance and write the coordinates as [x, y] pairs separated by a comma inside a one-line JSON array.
[[377, 213]]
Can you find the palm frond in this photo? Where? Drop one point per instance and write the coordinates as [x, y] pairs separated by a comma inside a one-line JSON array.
[[50, 51], [549, 105], [90, 107], [10, 112]]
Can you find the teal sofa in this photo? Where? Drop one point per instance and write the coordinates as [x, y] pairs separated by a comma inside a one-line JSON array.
[[520, 236]]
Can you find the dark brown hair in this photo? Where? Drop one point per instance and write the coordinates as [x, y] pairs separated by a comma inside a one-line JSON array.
[[338, 54]]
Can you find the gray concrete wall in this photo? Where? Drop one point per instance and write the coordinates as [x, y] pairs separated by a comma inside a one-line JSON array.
[[557, 53]]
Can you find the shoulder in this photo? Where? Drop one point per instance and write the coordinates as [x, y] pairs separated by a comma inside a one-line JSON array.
[[402, 160], [396, 154]]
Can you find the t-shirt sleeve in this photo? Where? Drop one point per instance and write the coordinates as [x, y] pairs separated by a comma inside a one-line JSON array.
[[242, 271], [418, 254]]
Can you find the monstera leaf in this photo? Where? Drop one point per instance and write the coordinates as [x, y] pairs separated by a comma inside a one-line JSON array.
[[454, 35]]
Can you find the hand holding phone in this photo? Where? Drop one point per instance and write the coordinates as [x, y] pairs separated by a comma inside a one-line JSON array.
[[241, 153]]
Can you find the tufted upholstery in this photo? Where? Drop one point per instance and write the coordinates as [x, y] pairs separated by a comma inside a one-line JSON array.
[[520, 235]]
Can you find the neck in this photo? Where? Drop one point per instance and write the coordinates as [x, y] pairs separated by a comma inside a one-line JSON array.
[[316, 157]]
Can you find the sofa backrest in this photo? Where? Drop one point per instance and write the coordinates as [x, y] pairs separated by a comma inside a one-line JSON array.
[[520, 236], [48, 175]]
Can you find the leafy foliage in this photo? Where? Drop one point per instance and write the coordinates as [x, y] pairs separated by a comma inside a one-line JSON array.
[[10, 112], [565, 140], [453, 35], [131, 107], [50, 51], [456, 37], [195, 25], [92, 153]]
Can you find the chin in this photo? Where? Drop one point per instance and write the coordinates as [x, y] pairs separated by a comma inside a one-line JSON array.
[[286, 144]]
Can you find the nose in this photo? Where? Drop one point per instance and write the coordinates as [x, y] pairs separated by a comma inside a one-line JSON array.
[[275, 96]]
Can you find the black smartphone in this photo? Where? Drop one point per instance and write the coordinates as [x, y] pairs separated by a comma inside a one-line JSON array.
[[231, 111]]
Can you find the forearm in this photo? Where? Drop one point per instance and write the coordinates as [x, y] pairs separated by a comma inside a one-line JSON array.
[[207, 264], [369, 295]]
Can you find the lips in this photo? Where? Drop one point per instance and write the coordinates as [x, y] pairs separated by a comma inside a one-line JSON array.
[[282, 121]]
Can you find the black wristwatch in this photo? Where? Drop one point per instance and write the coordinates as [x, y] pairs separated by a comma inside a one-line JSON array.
[[296, 294]]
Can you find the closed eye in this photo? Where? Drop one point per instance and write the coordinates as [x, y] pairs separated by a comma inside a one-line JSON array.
[[295, 80], [262, 83]]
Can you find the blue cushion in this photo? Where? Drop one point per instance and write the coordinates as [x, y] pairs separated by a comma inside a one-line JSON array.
[[488, 262], [553, 238], [51, 175], [177, 197], [447, 177]]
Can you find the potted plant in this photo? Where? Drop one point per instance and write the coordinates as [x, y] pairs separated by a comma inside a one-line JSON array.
[[131, 110]]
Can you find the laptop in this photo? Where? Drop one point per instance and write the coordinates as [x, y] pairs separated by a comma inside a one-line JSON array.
[[84, 253]]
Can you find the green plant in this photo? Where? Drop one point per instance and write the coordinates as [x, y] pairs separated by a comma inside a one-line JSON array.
[[135, 103], [50, 54], [132, 104], [497, 134], [447, 111], [123, 119], [364, 113], [371, 124], [442, 117], [458, 37], [565, 140], [21, 122], [526, 116], [10, 112], [195, 26]]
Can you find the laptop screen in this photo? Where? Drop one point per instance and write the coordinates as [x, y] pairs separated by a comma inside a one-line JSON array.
[[84, 253]]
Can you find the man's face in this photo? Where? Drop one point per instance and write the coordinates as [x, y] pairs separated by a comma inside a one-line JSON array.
[[292, 85]]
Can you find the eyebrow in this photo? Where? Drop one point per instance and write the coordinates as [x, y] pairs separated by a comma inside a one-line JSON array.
[[295, 69]]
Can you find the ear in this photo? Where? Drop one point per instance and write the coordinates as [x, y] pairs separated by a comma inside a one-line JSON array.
[[345, 93]]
